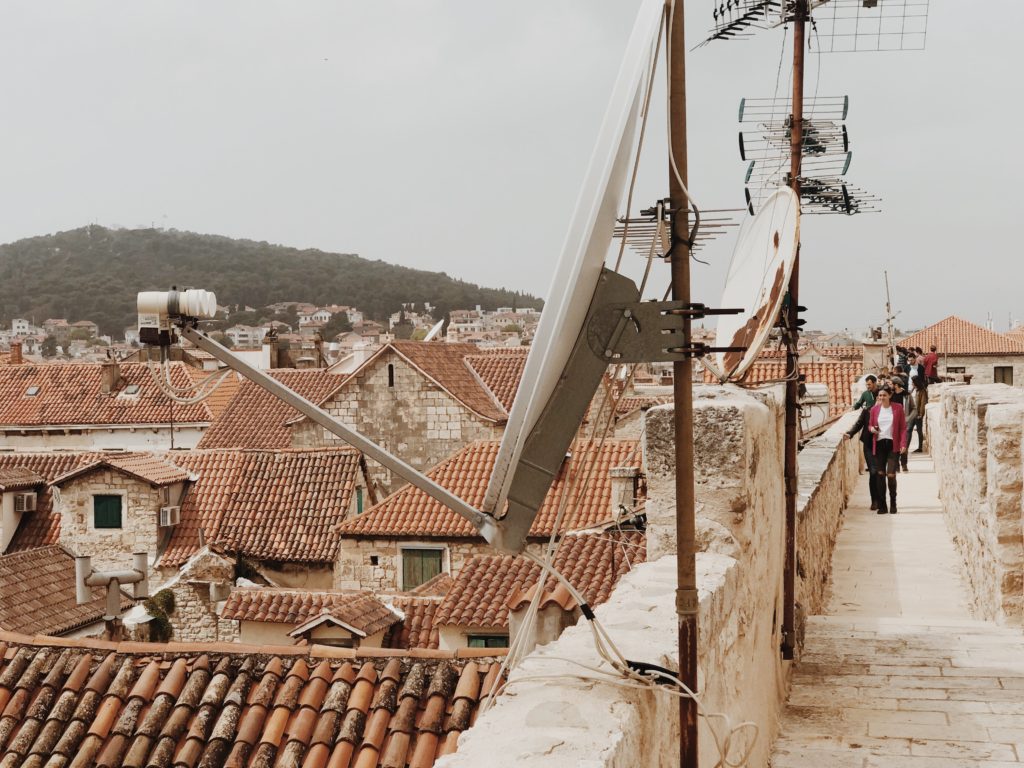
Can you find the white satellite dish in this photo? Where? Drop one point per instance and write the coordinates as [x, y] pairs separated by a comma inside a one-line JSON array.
[[582, 259], [435, 331], [757, 281]]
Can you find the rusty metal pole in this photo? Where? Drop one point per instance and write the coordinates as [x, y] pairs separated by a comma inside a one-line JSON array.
[[682, 389], [792, 353]]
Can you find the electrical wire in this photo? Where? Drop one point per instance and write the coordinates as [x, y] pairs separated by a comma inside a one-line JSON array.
[[160, 374]]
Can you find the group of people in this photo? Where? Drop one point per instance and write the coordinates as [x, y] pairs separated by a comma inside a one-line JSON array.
[[892, 408]]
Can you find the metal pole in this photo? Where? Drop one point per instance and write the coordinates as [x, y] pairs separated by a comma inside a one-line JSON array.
[[792, 353], [682, 388], [889, 318]]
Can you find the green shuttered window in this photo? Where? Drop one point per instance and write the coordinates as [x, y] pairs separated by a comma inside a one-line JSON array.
[[106, 511], [419, 566]]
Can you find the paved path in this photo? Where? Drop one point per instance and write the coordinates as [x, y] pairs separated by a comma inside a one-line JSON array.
[[898, 675]]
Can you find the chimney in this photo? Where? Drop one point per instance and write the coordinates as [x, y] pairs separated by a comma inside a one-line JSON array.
[[16, 358], [110, 378], [270, 348], [623, 483]]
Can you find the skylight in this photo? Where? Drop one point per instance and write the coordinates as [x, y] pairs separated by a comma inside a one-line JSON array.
[[131, 389], [32, 391]]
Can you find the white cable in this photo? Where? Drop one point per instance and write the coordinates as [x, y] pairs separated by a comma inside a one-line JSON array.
[[162, 379], [668, 109]]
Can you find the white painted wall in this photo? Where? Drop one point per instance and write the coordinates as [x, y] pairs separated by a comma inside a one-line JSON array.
[[102, 438]]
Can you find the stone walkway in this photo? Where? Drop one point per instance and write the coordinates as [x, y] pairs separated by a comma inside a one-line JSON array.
[[898, 675]]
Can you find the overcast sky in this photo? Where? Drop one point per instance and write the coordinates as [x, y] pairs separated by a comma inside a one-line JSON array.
[[454, 136]]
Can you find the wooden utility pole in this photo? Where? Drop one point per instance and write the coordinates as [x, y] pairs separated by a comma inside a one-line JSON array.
[[796, 147], [682, 386]]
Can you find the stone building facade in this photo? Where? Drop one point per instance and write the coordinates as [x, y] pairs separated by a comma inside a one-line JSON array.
[[376, 563], [396, 405], [139, 531]]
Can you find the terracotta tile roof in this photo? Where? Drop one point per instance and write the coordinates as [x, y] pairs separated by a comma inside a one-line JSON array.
[[363, 611], [76, 704], [42, 527], [500, 370], [956, 336], [69, 393], [37, 594], [435, 587], [225, 392], [417, 628], [841, 351], [1017, 334], [269, 505], [142, 466], [838, 375], [256, 419], [488, 586], [410, 512], [19, 479]]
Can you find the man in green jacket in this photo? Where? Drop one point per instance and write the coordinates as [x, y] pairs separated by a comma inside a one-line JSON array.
[[867, 398]]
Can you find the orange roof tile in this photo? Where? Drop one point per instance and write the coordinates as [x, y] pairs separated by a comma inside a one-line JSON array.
[[410, 512], [257, 419], [19, 479], [205, 705], [417, 628], [142, 466], [500, 370], [488, 586], [438, 586], [269, 505], [70, 393], [956, 336], [37, 593], [362, 611], [838, 375], [223, 394]]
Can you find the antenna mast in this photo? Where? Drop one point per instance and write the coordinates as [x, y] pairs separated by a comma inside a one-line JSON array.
[[682, 386], [888, 319], [792, 309]]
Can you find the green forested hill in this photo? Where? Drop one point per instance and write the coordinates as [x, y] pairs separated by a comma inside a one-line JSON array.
[[94, 273]]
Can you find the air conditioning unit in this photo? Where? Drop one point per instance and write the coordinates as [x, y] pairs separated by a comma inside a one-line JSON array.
[[169, 516], [24, 502]]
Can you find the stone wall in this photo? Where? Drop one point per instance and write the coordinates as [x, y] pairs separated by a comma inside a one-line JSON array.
[[110, 548], [981, 368], [195, 617], [738, 455], [357, 569], [414, 419], [974, 433], [829, 468]]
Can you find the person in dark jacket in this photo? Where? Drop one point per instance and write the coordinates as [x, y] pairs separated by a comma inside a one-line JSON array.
[[867, 443]]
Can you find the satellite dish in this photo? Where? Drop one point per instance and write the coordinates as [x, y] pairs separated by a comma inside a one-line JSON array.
[[580, 265], [758, 279], [435, 331]]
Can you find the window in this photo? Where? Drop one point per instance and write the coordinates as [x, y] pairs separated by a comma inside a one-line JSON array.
[[1003, 374], [32, 391], [359, 500], [131, 389], [419, 566], [106, 511], [955, 369], [391, 375], [487, 641]]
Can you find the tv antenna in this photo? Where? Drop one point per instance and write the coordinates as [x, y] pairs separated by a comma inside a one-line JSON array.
[[846, 25]]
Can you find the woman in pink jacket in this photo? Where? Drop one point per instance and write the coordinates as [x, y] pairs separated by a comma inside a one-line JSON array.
[[888, 425]]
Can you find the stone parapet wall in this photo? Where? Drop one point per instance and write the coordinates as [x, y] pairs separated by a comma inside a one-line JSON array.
[[829, 468], [738, 439], [974, 433]]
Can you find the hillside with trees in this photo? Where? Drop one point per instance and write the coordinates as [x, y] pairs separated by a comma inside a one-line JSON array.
[[94, 273]]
